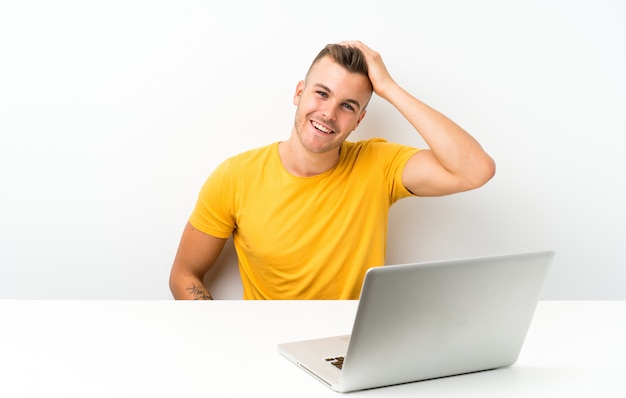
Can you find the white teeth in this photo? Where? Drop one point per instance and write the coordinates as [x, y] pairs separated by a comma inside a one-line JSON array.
[[321, 128]]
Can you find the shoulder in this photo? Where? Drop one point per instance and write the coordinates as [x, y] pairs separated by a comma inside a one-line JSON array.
[[242, 164], [363, 144], [377, 147]]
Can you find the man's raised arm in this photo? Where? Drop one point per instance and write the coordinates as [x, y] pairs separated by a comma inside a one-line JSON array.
[[454, 162]]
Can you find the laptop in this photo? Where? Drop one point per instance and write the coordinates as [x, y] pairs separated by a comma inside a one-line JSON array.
[[429, 320]]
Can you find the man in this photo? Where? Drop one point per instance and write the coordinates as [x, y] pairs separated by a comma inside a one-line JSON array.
[[309, 215]]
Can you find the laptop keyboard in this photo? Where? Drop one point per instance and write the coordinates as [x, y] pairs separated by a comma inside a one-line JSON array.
[[336, 361]]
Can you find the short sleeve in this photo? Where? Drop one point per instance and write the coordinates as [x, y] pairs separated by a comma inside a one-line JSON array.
[[213, 213]]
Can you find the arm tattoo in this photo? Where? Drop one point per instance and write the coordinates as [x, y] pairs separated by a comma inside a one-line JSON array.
[[199, 292]]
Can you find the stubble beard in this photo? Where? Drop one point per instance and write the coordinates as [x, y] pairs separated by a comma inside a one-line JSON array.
[[301, 122]]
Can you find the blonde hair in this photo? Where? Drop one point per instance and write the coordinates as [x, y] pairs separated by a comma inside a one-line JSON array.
[[350, 58]]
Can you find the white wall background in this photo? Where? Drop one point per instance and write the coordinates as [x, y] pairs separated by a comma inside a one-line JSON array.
[[112, 114]]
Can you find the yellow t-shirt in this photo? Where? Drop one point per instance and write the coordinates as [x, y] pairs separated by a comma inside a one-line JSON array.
[[305, 238]]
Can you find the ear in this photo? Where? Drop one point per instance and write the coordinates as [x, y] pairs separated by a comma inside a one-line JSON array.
[[298, 93], [360, 118]]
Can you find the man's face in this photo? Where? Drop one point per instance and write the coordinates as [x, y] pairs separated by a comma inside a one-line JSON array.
[[331, 104]]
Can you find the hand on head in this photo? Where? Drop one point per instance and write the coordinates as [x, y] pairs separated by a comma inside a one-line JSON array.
[[377, 71]]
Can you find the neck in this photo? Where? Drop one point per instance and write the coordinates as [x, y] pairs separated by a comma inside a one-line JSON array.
[[303, 163]]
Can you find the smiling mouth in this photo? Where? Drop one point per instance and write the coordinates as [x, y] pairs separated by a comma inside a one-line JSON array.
[[321, 128]]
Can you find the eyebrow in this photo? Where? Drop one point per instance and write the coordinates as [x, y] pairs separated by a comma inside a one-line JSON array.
[[349, 100]]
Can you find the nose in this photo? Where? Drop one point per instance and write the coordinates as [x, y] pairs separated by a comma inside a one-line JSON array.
[[329, 110]]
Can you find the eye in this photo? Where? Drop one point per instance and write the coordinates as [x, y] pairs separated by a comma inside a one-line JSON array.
[[322, 94], [348, 106]]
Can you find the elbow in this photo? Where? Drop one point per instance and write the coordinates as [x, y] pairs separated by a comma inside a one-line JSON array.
[[484, 171], [176, 281], [173, 284], [478, 174]]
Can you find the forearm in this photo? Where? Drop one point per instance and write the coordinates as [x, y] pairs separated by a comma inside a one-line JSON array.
[[455, 149], [189, 288]]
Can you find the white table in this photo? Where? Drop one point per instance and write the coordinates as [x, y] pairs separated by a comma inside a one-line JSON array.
[[228, 349]]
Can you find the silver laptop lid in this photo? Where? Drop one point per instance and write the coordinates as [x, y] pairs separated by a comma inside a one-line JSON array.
[[428, 320]]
